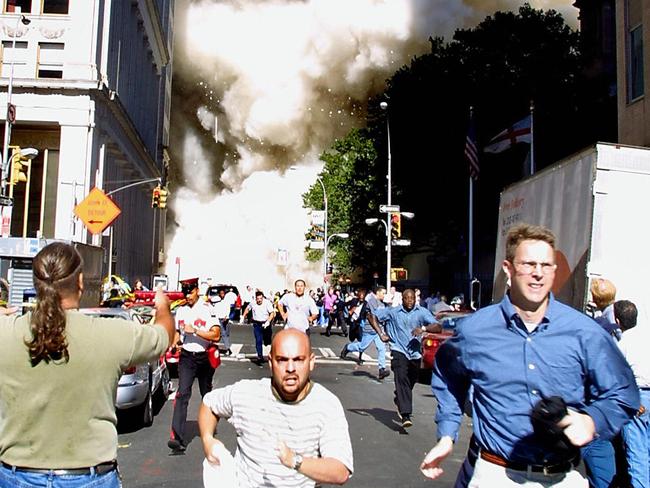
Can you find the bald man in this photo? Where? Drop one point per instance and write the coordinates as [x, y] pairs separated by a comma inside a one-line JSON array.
[[290, 430]]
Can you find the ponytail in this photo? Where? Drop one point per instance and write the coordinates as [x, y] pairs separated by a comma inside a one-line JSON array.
[[56, 275]]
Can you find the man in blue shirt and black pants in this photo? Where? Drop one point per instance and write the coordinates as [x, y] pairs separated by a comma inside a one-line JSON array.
[[528, 350], [404, 326]]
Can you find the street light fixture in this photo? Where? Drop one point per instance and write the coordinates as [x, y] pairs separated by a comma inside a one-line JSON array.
[[384, 106], [294, 168], [341, 235], [10, 114]]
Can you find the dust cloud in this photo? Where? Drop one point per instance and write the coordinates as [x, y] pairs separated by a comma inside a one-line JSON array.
[[261, 88]]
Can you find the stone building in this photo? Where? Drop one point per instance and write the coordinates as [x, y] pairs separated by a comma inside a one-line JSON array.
[[92, 90]]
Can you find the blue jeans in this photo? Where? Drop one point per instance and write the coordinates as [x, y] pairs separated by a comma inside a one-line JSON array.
[[366, 339], [600, 462], [257, 330], [21, 479], [225, 332], [636, 436]]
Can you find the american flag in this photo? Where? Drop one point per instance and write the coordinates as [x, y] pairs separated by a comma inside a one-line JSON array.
[[471, 151]]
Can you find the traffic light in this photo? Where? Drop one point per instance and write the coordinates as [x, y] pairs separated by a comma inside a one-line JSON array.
[[162, 197], [399, 274], [19, 165], [155, 197], [395, 225]]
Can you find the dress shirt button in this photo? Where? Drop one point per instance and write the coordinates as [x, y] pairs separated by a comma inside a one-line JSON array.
[[534, 392], [528, 339], [531, 366]]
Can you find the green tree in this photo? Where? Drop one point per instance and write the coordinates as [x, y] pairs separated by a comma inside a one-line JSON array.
[[350, 176]]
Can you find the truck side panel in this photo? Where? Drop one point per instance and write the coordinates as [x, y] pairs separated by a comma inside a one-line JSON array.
[[559, 198]]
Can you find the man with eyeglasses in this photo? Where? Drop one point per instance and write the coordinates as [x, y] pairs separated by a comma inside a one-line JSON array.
[[528, 351]]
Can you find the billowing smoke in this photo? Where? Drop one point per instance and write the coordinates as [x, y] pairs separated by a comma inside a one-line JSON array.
[[262, 87]]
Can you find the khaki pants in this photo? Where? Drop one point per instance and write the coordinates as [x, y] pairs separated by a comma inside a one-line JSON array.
[[488, 475]]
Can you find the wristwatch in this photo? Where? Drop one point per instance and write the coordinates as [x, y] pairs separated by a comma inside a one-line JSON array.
[[297, 461]]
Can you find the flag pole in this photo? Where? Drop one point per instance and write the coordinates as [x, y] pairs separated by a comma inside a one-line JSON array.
[[532, 137], [470, 268]]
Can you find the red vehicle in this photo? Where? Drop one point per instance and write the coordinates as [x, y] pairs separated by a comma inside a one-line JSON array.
[[431, 341]]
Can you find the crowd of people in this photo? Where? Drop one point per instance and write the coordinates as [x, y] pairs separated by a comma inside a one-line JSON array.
[[547, 384]]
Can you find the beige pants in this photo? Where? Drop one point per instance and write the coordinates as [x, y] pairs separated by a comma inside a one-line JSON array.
[[488, 475]]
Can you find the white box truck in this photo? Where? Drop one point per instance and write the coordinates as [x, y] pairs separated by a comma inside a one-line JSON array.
[[595, 202]]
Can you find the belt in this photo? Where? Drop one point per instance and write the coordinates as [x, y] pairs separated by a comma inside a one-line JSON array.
[[101, 468], [535, 468], [191, 353]]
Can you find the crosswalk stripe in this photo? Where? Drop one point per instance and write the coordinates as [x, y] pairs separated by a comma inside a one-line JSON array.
[[323, 355]]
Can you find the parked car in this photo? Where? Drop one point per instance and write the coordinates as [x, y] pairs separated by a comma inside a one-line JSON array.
[[143, 385], [214, 290], [431, 341]]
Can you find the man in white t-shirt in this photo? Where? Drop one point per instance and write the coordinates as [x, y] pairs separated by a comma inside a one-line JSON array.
[[298, 309], [262, 315], [290, 431], [221, 311]]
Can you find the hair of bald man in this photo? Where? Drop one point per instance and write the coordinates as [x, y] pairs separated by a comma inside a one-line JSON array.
[[295, 332]]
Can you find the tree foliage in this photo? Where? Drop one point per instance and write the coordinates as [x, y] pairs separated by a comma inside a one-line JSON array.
[[350, 177]]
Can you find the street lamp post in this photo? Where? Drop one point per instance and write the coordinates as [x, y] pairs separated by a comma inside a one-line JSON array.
[[325, 239], [8, 122], [342, 235], [384, 106]]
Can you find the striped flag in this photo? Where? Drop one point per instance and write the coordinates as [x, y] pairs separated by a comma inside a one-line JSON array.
[[471, 151], [519, 132]]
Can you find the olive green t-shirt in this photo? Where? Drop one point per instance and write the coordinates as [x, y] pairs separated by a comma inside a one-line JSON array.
[[62, 415]]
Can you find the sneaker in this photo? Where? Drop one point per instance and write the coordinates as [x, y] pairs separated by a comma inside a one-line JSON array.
[[383, 373], [344, 352], [176, 446], [406, 421], [228, 352]]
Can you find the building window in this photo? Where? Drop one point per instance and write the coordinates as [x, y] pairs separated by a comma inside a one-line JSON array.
[[12, 6], [50, 59], [634, 65], [17, 56], [58, 7]]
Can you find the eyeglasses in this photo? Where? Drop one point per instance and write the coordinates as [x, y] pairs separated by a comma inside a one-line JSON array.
[[528, 267]]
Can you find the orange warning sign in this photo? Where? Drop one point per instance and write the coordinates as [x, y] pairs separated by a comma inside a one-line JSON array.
[[97, 211]]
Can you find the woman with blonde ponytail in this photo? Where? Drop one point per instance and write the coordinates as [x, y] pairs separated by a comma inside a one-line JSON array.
[[60, 374]]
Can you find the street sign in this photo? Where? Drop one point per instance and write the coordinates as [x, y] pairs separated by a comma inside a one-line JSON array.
[[6, 201], [97, 211], [401, 242], [388, 208]]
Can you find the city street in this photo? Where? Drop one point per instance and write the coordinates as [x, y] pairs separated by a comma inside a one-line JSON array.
[[384, 454]]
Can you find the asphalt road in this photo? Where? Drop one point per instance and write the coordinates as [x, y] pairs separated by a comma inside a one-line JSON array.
[[385, 455]]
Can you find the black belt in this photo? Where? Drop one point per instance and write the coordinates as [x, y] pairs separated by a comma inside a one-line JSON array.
[[535, 468], [191, 353], [101, 468]]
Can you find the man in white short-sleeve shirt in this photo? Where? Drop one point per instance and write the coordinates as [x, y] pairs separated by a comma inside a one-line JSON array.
[[291, 432], [298, 309]]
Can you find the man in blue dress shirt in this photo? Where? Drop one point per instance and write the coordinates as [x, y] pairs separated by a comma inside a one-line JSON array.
[[527, 348], [404, 326]]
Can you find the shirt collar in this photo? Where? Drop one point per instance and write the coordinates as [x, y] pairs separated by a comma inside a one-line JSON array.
[[509, 311]]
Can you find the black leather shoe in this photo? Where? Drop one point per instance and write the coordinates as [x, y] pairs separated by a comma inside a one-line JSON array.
[[344, 352], [176, 446], [383, 373]]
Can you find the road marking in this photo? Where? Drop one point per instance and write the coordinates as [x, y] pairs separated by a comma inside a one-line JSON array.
[[327, 352], [324, 355]]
